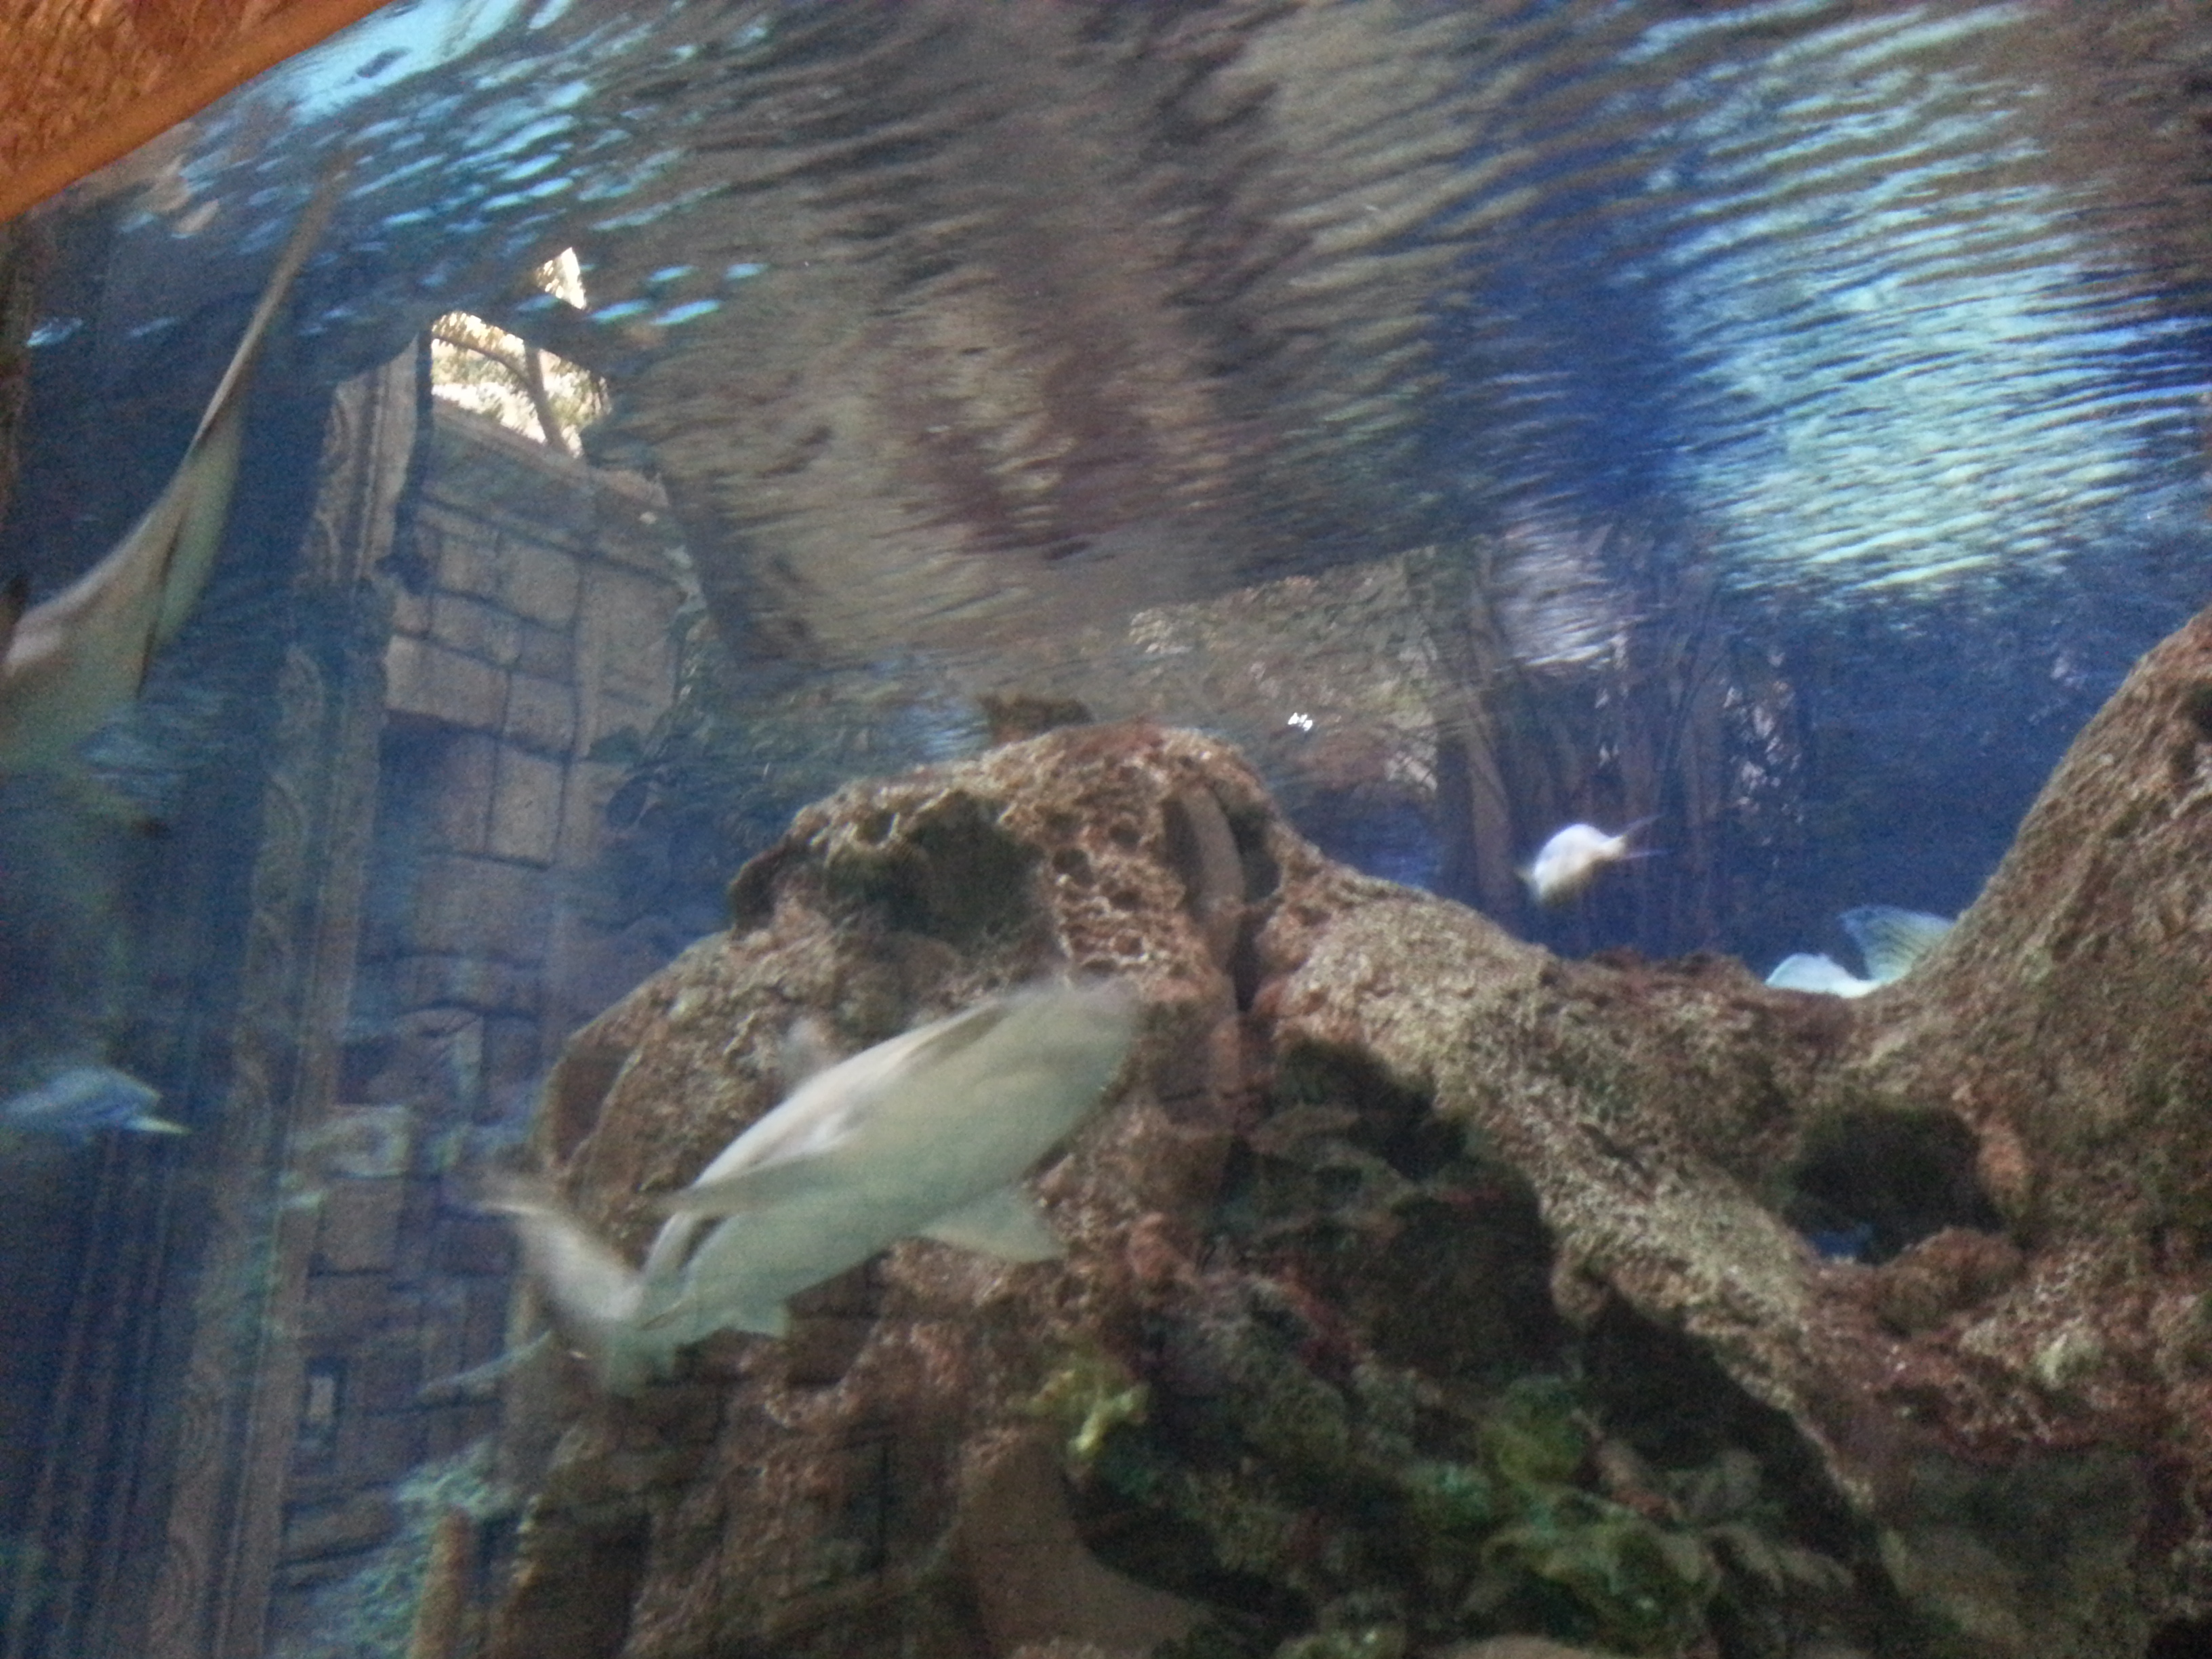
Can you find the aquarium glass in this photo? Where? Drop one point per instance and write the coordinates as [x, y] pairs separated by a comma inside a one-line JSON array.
[[1763, 433]]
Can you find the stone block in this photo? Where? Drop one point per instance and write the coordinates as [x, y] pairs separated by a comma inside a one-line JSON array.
[[625, 618], [343, 1309], [414, 1266], [364, 1141], [360, 1522], [514, 1061], [359, 1228], [485, 908], [376, 1447], [541, 714], [296, 1617], [541, 584], [450, 1429], [545, 652], [434, 1060], [468, 981], [609, 714], [525, 808], [385, 1374], [475, 629], [459, 806], [442, 1339], [428, 679], [468, 558], [483, 1332], [411, 613], [473, 1244]]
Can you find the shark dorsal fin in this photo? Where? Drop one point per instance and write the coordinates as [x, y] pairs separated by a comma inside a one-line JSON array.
[[806, 1051], [1818, 973]]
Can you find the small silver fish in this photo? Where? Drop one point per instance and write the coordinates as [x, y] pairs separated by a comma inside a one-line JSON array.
[[78, 1102], [69, 663], [926, 1135], [1570, 861], [1891, 941]]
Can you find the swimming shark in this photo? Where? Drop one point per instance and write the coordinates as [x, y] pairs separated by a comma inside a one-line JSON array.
[[925, 1135], [68, 662], [1891, 941]]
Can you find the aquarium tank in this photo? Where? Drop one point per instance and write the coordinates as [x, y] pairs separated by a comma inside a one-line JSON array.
[[1148, 829]]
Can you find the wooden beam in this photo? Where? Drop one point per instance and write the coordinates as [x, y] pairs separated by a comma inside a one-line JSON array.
[[106, 135]]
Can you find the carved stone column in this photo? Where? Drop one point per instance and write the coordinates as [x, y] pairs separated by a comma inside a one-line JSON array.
[[239, 1403]]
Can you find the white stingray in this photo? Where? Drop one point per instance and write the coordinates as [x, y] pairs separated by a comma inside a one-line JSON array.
[[67, 664]]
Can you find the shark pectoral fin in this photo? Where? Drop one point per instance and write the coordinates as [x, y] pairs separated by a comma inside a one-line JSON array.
[[190, 528], [147, 1124], [187, 522], [481, 1381], [772, 1321], [594, 1293], [1005, 1223]]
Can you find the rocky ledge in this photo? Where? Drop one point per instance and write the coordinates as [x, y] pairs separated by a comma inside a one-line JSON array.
[[1422, 1287]]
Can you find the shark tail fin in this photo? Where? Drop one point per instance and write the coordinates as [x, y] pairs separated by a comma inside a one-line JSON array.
[[594, 1295], [1891, 940]]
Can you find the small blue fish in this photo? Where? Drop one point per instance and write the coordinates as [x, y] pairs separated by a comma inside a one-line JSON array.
[[78, 1102], [1891, 940]]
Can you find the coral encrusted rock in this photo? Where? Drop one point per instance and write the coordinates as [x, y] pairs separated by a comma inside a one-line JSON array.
[[1422, 1287]]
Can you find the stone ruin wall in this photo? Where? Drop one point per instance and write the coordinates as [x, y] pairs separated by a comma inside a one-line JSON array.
[[536, 626]]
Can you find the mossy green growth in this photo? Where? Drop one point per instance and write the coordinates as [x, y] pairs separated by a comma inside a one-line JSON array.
[[1088, 1396], [1452, 1500], [1422, 1516], [372, 1610], [1592, 1569], [1537, 1435], [1547, 1554]]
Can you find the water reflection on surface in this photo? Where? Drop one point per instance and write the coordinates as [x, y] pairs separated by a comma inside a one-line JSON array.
[[963, 338]]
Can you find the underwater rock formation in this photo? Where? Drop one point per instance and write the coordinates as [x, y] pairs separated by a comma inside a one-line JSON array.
[[1423, 1287]]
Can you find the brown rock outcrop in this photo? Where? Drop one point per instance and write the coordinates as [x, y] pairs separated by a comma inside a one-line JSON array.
[[1362, 1133]]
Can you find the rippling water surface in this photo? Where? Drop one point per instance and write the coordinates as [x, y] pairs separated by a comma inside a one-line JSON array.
[[965, 339]]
